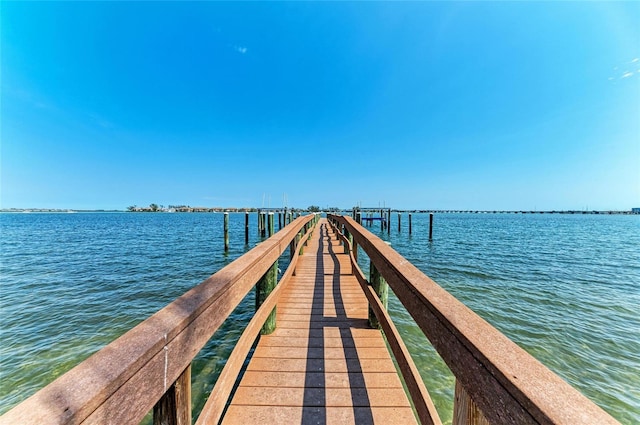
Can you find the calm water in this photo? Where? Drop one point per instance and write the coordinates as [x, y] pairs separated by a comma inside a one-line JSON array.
[[564, 287]]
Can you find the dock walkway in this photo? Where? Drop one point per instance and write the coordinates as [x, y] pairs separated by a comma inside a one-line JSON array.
[[323, 364]]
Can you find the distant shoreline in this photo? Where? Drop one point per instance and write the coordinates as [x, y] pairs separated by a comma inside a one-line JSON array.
[[634, 211]]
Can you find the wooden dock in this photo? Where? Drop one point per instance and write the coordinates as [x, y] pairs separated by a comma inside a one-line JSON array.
[[324, 363], [321, 362]]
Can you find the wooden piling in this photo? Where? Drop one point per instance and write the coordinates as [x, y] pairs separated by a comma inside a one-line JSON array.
[[399, 216], [389, 221], [265, 285], [246, 228], [465, 410], [271, 224], [381, 288], [409, 223], [174, 408], [430, 226], [226, 232]]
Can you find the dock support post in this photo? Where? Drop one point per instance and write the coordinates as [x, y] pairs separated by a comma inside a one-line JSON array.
[[246, 228], [381, 288], [265, 285], [409, 223], [465, 411], [389, 221], [271, 224], [399, 217], [259, 223], [226, 232], [430, 226], [264, 224], [174, 408]]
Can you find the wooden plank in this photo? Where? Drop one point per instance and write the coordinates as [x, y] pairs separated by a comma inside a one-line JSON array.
[[323, 360], [329, 415], [507, 384], [320, 379]]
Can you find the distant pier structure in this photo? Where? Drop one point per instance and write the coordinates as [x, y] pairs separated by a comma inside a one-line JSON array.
[[367, 216]]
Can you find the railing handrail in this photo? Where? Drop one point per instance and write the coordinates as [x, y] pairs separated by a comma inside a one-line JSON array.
[[503, 380], [123, 381]]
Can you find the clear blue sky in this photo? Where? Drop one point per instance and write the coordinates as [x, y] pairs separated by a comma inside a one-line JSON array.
[[470, 105]]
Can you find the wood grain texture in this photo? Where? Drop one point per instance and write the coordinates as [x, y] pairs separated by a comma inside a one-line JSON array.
[[508, 385], [123, 381], [323, 362]]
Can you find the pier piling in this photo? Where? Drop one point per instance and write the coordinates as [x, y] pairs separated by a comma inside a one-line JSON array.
[[246, 228], [431, 226], [271, 224], [409, 223], [226, 232]]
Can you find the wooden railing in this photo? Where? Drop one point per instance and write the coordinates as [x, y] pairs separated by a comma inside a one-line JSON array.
[[149, 366], [497, 382], [379, 317]]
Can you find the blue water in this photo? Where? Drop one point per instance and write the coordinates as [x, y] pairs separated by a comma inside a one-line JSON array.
[[564, 287]]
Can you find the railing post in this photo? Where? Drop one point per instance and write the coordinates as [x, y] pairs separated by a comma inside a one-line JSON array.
[[465, 411], [349, 238], [298, 239], [174, 408], [381, 288], [265, 285]]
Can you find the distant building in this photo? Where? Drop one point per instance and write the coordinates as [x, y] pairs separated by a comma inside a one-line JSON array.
[[635, 210]]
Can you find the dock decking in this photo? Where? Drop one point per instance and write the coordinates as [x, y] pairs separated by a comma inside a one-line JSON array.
[[323, 364]]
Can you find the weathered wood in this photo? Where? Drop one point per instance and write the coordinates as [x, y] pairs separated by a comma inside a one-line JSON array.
[[246, 228], [422, 402], [321, 365], [264, 287], [431, 226], [174, 408], [264, 225], [148, 358], [226, 232], [381, 289], [409, 223], [508, 385], [214, 407], [271, 224], [465, 411]]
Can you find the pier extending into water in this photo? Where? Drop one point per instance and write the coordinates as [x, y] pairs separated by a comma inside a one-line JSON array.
[[321, 348]]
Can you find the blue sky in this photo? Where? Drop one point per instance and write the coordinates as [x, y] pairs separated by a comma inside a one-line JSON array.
[[465, 105]]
